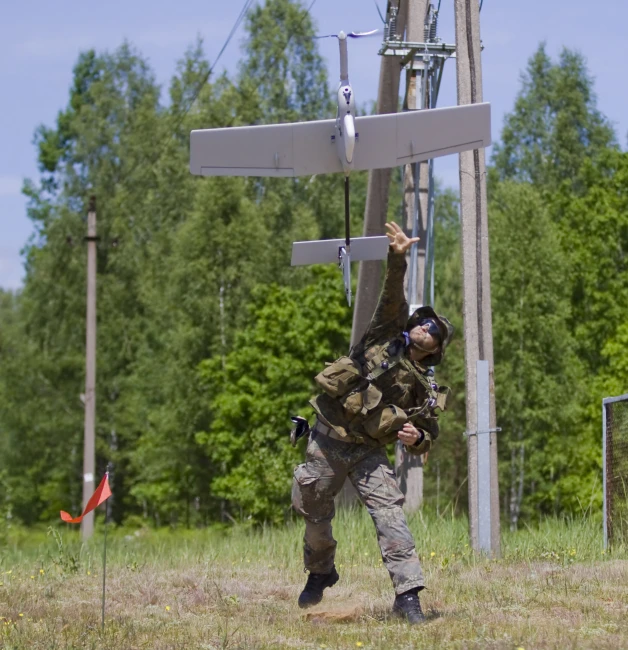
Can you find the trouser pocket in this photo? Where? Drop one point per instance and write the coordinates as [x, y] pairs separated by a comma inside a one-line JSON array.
[[313, 493], [300, 489]]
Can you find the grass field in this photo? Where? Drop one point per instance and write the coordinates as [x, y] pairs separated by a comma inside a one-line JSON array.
[[237, 588]]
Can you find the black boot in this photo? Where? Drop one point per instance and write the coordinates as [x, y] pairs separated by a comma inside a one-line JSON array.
[[408, 606], [312, 593]]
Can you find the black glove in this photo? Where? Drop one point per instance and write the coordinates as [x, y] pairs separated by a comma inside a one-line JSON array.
[[302, 428]]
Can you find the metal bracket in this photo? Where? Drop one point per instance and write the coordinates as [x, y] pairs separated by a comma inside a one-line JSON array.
[[466, 434], [408, 50]]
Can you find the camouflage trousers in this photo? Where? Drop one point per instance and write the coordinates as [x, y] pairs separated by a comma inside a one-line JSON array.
[[317, 481]]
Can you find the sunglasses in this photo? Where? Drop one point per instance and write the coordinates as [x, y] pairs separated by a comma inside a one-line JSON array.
[[433, 329]]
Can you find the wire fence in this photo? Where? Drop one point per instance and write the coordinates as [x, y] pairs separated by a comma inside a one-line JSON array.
[[615, 441]]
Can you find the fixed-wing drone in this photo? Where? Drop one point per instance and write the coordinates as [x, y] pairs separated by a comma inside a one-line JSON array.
[[341, 145]]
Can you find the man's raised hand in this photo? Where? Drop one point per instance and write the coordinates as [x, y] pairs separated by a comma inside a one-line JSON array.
[[399, 241]]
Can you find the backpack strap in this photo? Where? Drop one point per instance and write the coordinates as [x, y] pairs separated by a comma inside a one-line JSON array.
[[379, 359]]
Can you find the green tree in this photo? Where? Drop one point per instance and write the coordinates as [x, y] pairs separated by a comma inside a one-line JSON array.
[[266, 378], [555, 125], [538, 374], [282, 65], [557, 141], [98, 142]]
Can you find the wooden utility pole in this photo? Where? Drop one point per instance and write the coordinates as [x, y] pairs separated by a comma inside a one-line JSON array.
[[370, 273], [409, 468], [89, 447], [478, 328]]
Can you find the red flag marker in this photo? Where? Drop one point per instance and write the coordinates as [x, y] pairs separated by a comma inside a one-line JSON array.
[[102, 493]]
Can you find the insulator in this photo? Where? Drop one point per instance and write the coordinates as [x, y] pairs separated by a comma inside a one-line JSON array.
[[392, 25], [434, 27], [431, 24]]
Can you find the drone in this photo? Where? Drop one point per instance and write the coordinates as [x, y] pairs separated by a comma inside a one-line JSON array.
[[340, 145]]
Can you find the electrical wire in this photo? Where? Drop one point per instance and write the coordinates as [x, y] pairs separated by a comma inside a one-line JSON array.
[[178, 119], [243, 12], [236, 25], [379, 12]]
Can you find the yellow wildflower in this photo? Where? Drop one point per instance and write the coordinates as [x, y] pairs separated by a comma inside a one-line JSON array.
[[432, 554], [167, 608]]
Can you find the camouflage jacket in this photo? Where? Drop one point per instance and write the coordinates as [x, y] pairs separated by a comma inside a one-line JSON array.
[[381, 354]]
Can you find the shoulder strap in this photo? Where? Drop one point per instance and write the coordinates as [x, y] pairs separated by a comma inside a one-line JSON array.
[[379, 359]]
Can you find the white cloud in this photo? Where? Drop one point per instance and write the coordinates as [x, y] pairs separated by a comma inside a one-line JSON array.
[[10, 185]]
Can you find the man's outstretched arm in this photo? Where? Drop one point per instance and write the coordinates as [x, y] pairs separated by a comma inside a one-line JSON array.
[[392, 309]]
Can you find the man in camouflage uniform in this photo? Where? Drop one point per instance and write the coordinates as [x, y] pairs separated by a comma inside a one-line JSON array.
[[381, 393]]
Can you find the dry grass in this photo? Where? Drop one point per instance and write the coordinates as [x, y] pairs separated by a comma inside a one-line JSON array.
[[207, 589]]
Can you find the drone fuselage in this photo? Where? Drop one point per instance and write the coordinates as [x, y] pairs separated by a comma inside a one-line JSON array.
[[345, 134]]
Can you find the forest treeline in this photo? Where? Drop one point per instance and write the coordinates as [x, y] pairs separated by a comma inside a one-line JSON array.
[[208, 340]]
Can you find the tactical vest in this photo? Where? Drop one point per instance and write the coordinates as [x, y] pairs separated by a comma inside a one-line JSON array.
[[376, 391]]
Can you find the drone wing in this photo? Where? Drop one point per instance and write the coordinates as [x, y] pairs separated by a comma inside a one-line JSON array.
[[296, 149], [401, 138], [307, 148]]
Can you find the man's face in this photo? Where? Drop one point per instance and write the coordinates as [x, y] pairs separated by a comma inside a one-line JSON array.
[[425, 336]]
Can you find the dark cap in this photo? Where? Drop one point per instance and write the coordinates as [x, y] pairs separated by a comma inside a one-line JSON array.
[[445, 328]]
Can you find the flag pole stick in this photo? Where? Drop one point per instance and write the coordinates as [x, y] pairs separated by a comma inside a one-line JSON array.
[[104, 558]]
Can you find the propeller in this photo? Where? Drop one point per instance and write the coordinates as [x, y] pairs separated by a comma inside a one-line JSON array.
[[372, 32]]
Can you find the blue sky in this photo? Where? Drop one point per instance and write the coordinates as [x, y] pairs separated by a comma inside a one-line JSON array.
[[40, 41]]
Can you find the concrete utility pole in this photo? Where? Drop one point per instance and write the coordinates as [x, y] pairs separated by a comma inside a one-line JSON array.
[[409, 468], [89, 447], [478, 328], [370, 273]]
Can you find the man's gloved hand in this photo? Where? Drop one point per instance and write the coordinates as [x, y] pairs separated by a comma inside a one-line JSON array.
[[410, 435]]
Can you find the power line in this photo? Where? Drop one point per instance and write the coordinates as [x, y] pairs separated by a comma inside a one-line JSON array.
[[178, 119], [264, 77], [238, 22], [235, 27], [199, 87]]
